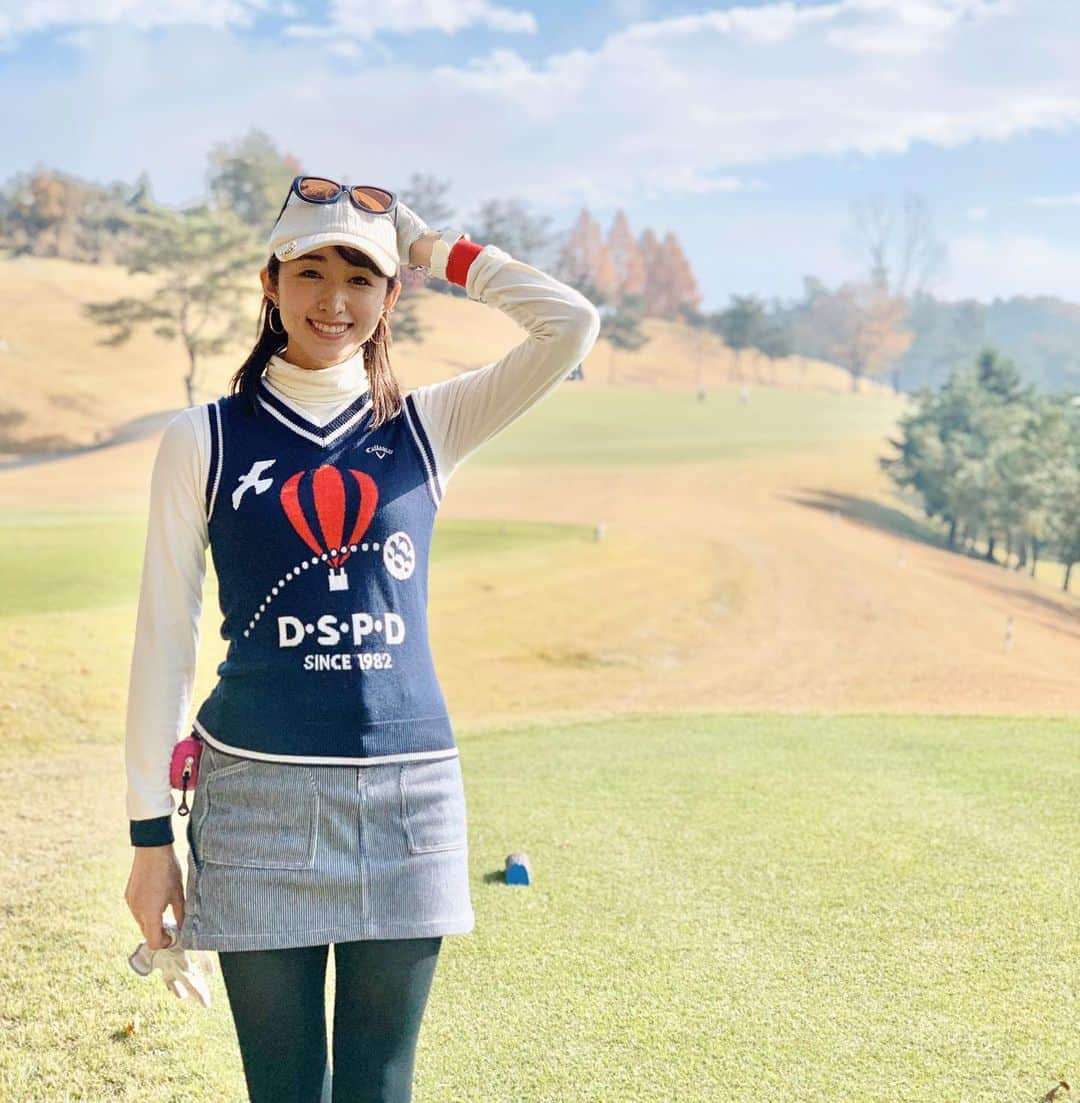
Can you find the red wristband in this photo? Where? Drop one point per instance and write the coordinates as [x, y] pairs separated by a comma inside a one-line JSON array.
[[460, 259]]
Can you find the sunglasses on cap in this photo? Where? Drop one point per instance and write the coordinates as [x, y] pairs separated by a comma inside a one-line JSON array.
[[317, 189]]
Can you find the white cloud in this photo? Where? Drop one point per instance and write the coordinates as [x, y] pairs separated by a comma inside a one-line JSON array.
[[976, 214], [20, 17], [630, 11], [756, 85], [1055, 200], [685, 180], [361, 18], [769, 24], [872, 27], [670, 114], [708, 93], [984, 266], [909, 28], [762, 251], [344, 18]]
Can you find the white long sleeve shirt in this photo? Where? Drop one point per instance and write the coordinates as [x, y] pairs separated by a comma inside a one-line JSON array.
[[458, 415]]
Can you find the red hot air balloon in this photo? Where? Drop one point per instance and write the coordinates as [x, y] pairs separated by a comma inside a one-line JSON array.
[[322, 496]]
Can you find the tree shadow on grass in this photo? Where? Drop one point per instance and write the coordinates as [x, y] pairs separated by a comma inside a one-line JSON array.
[[870, 513], [995, 579], [135, 429]]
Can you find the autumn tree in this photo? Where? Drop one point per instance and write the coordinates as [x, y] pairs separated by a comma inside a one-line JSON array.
[[621, 268], [46, 213], [903, 257], [682, 286], [669, 281], [626, 258], [652, 256], [860, 327], [584, 257]]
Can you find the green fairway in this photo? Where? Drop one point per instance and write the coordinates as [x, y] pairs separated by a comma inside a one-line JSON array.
[[68, 612], [637, 426], [57, 562], [63, 562], [724, 907], [737, 906]]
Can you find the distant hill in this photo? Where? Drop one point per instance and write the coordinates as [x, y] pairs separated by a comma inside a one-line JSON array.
[[60, 388], [1041, 335]]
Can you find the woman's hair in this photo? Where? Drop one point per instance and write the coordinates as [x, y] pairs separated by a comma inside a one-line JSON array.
[[385, 392]]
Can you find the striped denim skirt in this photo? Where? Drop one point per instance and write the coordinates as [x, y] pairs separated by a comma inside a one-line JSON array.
[[284, 855]]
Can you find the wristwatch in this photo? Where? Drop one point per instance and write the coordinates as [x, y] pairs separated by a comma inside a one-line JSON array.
[[440, 251]]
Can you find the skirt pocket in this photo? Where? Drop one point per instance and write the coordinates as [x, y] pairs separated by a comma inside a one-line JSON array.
[[264, 815], [433, 805]]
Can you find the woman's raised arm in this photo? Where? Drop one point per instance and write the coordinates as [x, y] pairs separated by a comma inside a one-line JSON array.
[[462, 413]]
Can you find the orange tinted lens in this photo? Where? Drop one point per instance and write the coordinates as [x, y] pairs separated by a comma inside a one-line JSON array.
[[375, 199], [315, 187]]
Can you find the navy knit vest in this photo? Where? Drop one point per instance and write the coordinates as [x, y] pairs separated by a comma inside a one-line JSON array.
[[320, 539]]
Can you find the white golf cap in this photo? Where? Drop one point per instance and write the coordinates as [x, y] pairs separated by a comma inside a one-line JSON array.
[[305, 226]]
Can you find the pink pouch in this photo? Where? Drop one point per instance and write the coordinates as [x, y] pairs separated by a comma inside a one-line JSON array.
[[184, 768]]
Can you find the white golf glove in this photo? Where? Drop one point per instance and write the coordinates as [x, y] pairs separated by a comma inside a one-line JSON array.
[[185, 971], [410, 226]]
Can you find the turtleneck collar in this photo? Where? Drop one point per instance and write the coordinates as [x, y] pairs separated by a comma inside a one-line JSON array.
[[335, 383]]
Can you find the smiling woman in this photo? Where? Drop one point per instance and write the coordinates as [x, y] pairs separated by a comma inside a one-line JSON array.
[[316, 487], [322, 309], [331, 284], [331, 303]]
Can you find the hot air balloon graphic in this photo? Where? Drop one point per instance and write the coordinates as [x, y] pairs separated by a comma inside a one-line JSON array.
[[317, 504]]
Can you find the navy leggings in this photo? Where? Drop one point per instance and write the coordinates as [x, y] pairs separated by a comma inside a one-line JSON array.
[[278, 1002]]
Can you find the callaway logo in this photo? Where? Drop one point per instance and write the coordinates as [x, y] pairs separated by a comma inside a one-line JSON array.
[[380, 450], [252, 481]]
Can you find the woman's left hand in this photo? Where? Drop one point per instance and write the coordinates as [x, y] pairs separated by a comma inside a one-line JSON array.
[[410, 226]]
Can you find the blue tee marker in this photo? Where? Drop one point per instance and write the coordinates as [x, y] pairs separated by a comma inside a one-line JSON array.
[[518, 870]]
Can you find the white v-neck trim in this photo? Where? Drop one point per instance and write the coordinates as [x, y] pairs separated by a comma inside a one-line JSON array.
[[344, 421], [326, 409]]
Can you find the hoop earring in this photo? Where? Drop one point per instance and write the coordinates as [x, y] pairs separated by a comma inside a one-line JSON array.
[[270, 319], [384, 322]]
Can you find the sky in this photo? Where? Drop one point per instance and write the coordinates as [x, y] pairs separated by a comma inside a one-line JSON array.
[[748, 129]]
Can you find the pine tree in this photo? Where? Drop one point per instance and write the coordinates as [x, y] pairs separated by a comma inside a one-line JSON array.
[[206, 259]]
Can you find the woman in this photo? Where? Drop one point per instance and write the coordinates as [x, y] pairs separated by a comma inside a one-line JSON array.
[[329, 807]]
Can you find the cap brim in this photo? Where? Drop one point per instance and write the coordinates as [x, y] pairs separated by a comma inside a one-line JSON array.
[[297, 247]]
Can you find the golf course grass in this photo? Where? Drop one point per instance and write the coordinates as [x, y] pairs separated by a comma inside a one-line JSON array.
[[724, 907], [728, 905], [639, 427]]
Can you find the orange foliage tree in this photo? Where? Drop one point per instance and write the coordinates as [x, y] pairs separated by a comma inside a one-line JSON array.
[[584, 257], [621, 268]]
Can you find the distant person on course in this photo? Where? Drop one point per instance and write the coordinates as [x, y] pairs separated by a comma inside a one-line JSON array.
[[329, 806]]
